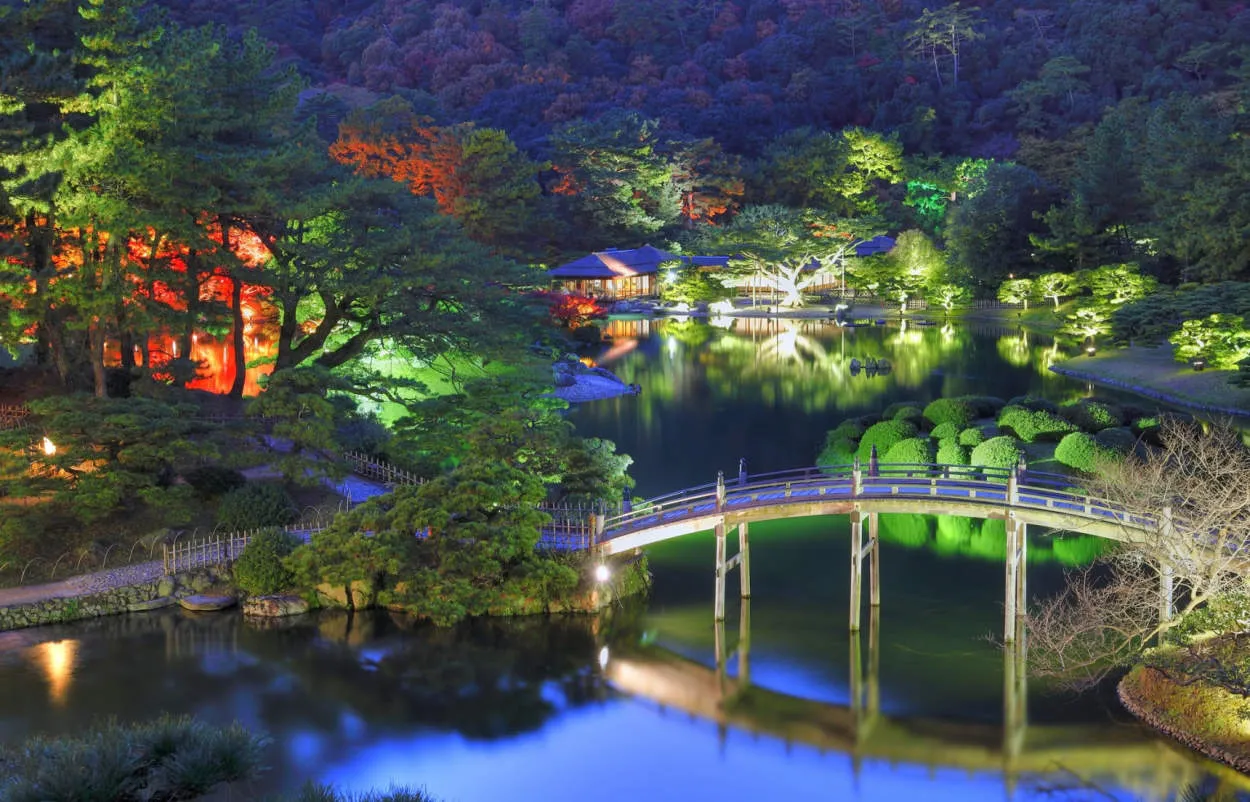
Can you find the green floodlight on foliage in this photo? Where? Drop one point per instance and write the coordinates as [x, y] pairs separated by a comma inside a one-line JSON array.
[[1220, 341]]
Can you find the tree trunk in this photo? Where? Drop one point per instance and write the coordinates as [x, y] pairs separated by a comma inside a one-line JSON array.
[[237, 339], [95, 345]]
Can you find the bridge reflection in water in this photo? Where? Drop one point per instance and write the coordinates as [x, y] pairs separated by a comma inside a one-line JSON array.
[[1056, 756]]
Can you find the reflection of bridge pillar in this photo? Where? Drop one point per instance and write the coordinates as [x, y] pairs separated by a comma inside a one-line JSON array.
[[859, 550], [1015, 564], [866, 687], [1015, 703], [743, 650]]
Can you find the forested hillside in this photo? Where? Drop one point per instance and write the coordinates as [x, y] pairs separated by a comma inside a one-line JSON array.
[[1112, 112]]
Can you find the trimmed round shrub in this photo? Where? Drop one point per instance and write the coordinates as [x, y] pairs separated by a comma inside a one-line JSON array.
[[971, 437], [1034, 402], [211, 481], [954, 411], [912, 451], [997, 452], [884, 435], [259, 570], [1081, 451], [950, 452], [944, 431], [851, 429], [1092, 416], [837, 452], [983, 406], [910, 414], [254, 506], [893, 410], [1033, 424], [1119, 438]]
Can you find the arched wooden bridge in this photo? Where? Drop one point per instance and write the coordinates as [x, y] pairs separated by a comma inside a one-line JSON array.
[[1016, 496], [1044, 499]]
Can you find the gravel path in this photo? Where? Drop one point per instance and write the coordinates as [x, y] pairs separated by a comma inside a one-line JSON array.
[[353, 488]]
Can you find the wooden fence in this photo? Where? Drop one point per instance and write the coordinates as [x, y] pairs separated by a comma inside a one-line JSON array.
[[216, 549], [370, 468], [13, 416]]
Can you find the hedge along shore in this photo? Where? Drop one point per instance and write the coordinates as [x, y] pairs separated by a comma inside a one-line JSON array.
[[1158, 395], [1180, 711], [113, 601]]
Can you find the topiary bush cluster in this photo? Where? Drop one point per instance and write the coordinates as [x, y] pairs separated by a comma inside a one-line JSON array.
[[944, 431], [997, 452], [260, 569], [1092, 416], [1081, 451], [950, 452], [254, 506], [955, 411], [1120, 439], [1033, 402], [910, 451], [1033, 424], [884, 435], [971, 437]]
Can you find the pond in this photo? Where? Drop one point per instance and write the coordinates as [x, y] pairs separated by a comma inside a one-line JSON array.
[[921, 705]]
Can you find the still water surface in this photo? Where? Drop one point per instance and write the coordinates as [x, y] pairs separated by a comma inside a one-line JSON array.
[[624, 708]]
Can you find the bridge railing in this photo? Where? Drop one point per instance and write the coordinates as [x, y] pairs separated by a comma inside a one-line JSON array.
[[971, 483]]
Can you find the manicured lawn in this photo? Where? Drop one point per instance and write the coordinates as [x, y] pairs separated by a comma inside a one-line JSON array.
[[1153, 370]]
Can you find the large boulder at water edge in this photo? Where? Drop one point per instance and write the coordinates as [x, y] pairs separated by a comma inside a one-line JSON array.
[[206, 603], [275, 606]]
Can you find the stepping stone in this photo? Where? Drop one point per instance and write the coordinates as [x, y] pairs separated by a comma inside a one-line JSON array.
[[275, 606], [158, 603], [205, 604]]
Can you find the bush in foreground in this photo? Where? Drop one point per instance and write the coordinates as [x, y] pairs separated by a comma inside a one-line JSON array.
[[169, 759], [259, 570]]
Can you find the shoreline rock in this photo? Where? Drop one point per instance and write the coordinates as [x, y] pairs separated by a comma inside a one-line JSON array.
[[207, 604], [276, 606]]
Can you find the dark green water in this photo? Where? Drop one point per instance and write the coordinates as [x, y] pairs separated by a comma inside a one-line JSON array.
[[610, 710]]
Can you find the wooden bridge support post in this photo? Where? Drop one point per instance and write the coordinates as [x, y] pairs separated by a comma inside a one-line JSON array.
[[874, 565], [860, 550], [744, 560], [1167, 591], [1015, 565], [857, 566], [721, 570]]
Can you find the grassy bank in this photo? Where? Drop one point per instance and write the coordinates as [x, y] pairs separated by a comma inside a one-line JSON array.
[[1152, 372], [1202, 716]]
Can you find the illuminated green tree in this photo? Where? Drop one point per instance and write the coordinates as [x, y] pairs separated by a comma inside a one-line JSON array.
[[1088, 322], [1055, 286], [1119, 284], [1016, 291], [1221, 339]]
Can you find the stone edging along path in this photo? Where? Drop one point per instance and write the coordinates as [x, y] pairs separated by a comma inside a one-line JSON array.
[[1147, 392], [1146, 711]]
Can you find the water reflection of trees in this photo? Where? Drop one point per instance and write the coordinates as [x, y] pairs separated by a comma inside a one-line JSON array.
[[487, 679]]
